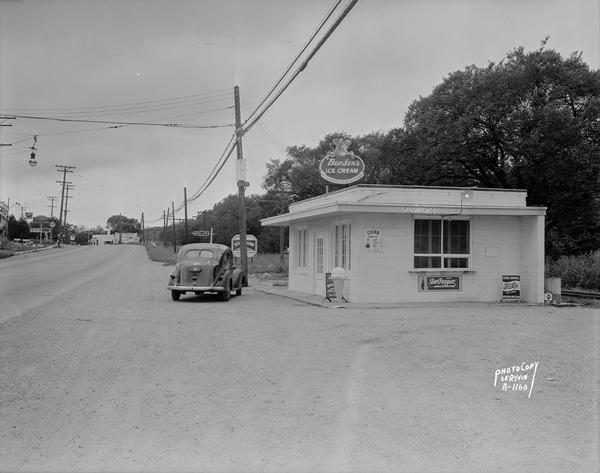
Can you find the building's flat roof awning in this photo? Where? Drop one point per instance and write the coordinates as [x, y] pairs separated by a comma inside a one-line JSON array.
[[340, 209]]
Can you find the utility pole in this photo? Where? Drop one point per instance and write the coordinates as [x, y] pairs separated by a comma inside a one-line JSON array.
[[143, 229], [174, 234], [185, 207], [164, 238], [51, 199], [241, 182], [65, 169], [67, 188]]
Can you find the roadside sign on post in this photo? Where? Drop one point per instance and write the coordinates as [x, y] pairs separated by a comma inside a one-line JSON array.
[[251, 245]]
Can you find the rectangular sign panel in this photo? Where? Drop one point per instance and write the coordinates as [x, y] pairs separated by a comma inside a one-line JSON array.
[[329, 287], [511, 287], [440, 283]]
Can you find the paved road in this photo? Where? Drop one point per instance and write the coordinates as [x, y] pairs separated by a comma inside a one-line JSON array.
[[101, 371], [29, 280]]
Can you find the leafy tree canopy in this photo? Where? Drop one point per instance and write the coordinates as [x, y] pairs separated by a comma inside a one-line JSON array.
[[122, 224], [530, 121]]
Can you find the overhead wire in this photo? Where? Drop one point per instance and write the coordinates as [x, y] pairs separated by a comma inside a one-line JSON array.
[[246, 127], [248, 123], [116, 106], [312, 37], [122, 122]]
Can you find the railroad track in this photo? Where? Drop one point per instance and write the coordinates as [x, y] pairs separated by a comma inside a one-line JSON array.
[[589, 295]]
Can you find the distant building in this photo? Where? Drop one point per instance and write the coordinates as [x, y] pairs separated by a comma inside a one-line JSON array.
[[115, 238]]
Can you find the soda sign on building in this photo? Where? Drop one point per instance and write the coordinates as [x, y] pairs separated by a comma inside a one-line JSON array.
[[341, 166]]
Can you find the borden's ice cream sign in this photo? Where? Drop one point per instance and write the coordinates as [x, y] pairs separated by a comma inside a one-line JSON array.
[[341, 166]]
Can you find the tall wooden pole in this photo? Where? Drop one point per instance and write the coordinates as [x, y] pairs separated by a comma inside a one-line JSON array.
[[185, 210], [174, 234], [164, 235], [241, 182]]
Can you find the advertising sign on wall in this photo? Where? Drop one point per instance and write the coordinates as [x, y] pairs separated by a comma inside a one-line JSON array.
[[511, 287], [439, 283], [373, 239], [341, 166]]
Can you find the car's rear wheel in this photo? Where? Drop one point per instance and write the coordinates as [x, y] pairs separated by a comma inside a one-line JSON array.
[[226, 294], [239, 290], [175, 295]]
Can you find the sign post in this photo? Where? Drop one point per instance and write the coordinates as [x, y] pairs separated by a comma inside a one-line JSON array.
[[251, 245]]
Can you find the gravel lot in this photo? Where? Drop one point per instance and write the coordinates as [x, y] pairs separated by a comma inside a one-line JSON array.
[[112, 375]]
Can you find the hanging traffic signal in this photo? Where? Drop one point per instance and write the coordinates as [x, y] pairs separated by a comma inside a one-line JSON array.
[[32, 161]]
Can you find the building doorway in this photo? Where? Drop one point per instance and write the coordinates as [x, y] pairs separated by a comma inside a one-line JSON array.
[[319, 266]]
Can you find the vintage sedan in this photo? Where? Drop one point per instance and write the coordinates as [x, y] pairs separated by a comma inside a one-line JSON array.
[[206, 267]]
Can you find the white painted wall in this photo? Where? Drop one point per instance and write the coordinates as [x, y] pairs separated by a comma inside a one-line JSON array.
[[499, 245]]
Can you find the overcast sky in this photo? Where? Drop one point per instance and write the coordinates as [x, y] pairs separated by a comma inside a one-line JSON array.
[[151, 59]]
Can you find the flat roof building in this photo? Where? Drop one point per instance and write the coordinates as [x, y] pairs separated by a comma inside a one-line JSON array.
[[417, 244]]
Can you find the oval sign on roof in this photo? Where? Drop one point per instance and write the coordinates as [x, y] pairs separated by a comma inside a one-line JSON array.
[[341, 166]]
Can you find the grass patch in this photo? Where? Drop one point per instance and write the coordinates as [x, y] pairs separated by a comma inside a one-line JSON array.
[[5, 254], [161, 254], [576, 272], [261, 263]]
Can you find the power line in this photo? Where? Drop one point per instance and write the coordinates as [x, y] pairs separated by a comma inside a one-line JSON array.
[[145, 109], [314, 51], [105, 107], [109, 122], [242, 130], [312, 37]]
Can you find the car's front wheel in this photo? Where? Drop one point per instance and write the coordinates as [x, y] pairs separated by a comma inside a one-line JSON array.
[[175, 295]]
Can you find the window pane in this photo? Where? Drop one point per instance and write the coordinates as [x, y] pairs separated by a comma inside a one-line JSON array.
[[456, 237], [456, 262], [427, 236], [427, 261]]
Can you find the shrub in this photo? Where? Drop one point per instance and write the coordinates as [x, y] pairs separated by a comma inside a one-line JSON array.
[[5, 254], [581, 271]]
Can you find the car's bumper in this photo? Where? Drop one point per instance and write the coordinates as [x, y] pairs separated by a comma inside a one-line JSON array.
[[196, 288]]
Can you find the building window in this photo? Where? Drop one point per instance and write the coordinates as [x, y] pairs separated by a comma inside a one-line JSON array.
[[442, 244], [301, 247], [342, 246], [320, 254]]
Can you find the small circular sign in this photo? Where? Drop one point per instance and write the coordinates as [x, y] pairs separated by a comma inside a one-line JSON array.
[[341, 166]]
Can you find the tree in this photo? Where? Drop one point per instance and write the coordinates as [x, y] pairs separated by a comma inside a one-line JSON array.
[[122, 224], [531, 121], [17, 228], [83, 238]]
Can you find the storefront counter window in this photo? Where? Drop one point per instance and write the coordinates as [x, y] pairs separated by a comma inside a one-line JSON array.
[[442, 244]]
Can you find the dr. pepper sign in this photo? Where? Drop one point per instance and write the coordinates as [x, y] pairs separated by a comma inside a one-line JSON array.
[[341, 166]]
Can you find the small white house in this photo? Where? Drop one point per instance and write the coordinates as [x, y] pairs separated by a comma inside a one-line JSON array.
[[417, 244]]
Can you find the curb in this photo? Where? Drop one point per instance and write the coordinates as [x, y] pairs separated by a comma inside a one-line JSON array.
[[288, 296]]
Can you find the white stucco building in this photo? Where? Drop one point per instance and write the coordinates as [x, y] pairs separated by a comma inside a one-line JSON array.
[[417, 244]]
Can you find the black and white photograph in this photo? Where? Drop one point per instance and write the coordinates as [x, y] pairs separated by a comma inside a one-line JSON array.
[[300, 236]]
